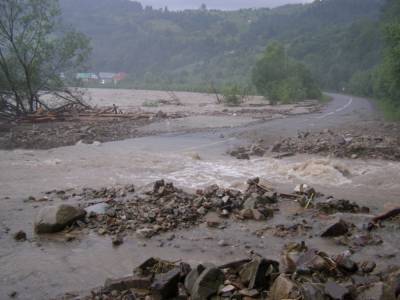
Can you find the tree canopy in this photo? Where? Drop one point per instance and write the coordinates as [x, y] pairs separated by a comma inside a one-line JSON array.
[[281, 79]]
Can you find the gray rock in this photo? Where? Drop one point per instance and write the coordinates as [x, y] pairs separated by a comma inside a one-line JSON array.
[[145, 233], [192, 276], [312, 291], [376, 291], [223, 243], [347, 265], [207, 284], [126, 283], [335, 228], [20, 236], [283, 288], [368, 266], [99, 208], [258, 273], [250, 203], [336, 291], [249, 293], [165, 285], [55, 218], [117, 240]]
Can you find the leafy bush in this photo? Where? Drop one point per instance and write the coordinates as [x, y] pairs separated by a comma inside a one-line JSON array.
[[232, 95]]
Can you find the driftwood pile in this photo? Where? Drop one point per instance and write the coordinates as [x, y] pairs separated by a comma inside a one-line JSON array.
[[73, 112]]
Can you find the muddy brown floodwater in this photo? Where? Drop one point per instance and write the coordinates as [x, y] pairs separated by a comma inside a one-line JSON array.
[[47, 266]]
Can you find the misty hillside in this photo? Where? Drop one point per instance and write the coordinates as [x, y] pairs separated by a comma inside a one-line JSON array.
[[189, 49], [220, 4]]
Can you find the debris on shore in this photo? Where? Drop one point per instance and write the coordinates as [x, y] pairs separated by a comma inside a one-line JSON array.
[[343, 144], [381, 142], [160, 208], [302, 273]]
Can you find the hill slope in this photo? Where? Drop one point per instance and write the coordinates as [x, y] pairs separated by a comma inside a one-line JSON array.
[[189, 49]]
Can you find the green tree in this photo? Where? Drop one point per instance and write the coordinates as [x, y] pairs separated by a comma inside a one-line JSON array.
[[36, 55], [278, 78], [387, 79]]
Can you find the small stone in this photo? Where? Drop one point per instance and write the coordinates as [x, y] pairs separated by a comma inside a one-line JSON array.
[[13, 294], [313, 291], [346, 264], [101, 231], [213, 221], [171, 237], [223, 243], [257, 215], [335, 228], [252, 293], [20, 236], [111, 212], [224, 213], [201, 211], [336, 291], [283, 288], [250, 203], [117, 240], [145, 232], [69, 237], [368, 266], [375, 291], [126, 283], [227, 289], [247, 214]]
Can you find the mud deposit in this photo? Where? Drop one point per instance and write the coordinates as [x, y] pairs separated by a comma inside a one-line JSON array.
[[167, 112]]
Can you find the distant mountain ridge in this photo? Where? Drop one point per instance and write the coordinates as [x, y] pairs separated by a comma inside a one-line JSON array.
[[187, 49], [219, 4]]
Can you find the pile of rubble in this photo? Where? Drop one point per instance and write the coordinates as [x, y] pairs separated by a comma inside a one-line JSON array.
[[381, 142], [340, 144], [159, 209], [303, 273]]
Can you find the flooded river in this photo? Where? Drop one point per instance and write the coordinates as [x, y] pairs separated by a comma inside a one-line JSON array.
[[48, 266]]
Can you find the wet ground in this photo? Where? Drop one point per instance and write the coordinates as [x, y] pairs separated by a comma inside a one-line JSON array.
[[48, 266]]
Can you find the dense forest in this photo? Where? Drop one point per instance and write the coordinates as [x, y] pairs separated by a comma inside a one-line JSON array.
[[194, 48], [342, 42]]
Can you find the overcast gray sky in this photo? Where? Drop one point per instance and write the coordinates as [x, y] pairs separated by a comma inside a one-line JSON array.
[[218, 4]]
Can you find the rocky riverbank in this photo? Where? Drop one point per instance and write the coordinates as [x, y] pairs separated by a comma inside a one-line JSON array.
[[302, 272], [372, 141]]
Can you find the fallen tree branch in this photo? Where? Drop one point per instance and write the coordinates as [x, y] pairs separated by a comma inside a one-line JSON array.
[[387, 215]]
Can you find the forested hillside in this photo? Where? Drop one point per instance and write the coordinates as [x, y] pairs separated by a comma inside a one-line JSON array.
[[193, 49]]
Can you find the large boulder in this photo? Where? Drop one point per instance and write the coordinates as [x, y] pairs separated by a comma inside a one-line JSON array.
[[165, 285], [207, 284], [55, 218]]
